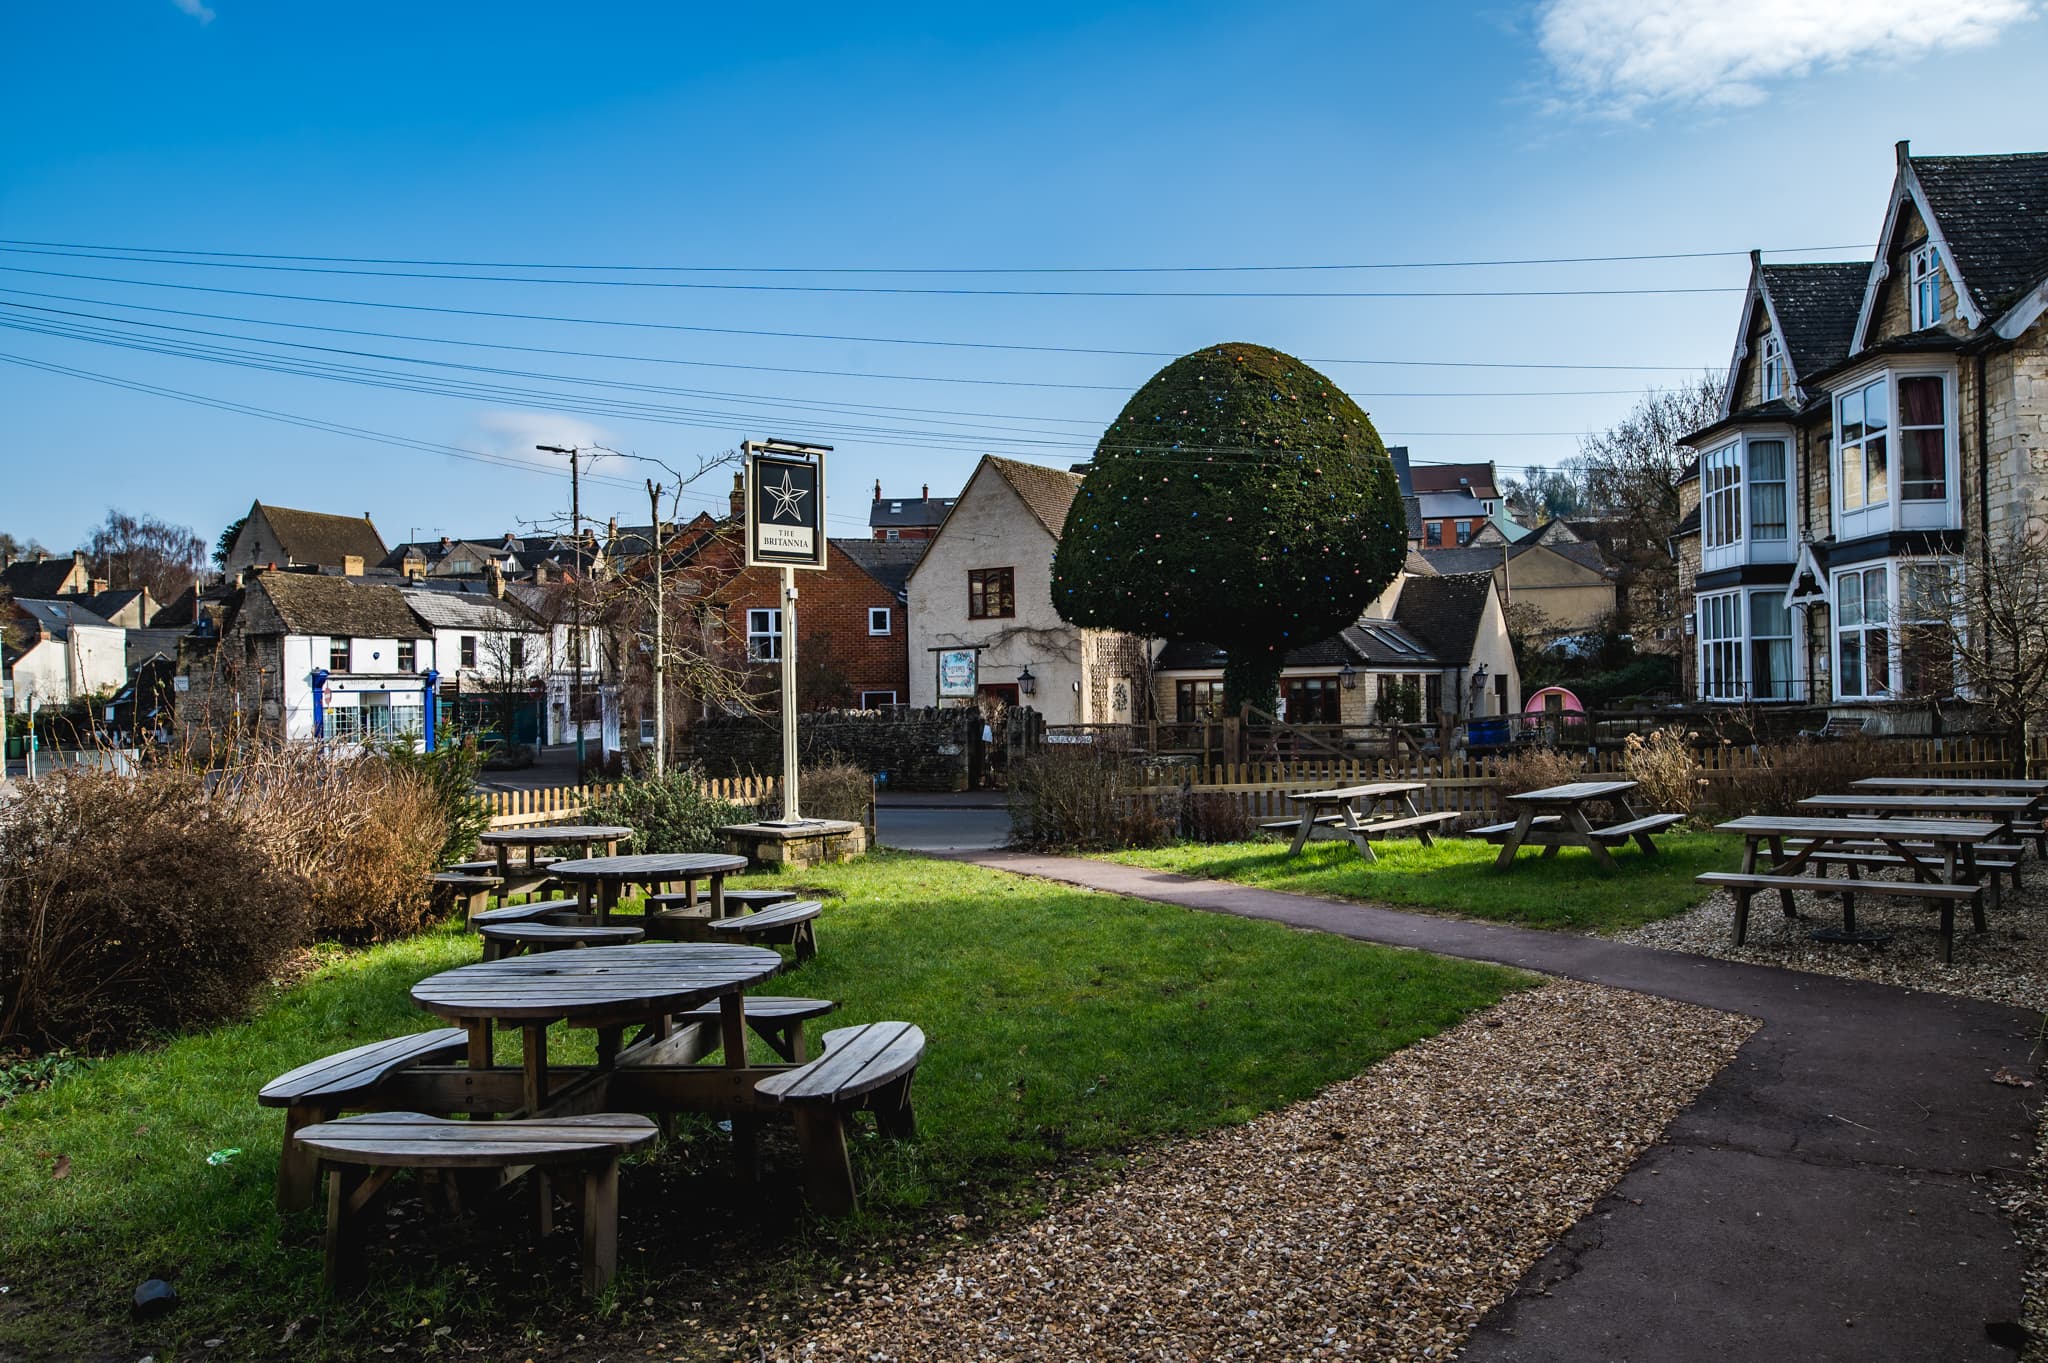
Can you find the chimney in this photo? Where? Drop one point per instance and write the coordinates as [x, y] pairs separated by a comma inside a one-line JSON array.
[[739, 496], [351, 565], [540, 572], [496, 578], [611, 528], [927, 492], [1904, 150], [878, 489], [42, 556], [444, 544]]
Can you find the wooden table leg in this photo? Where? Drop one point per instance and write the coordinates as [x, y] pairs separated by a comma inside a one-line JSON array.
[[1355, 831], [1575, 819], [1778, 861], [732, 1035], [534, 1067], [1513, 843], [600, 1227], [1308, 822], [1422, 833]]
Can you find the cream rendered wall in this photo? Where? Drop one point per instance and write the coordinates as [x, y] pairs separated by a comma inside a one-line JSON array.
[[990, 527]]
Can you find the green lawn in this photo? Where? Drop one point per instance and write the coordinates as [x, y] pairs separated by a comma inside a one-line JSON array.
[[1457, 876], [1067, 1031]]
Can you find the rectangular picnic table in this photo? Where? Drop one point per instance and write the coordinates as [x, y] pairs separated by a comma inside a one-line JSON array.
[[2035, 791], [1556, 817], [1339, 809], [1941, 854]]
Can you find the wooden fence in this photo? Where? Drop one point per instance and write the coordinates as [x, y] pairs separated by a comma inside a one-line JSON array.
[[564, 804], [1470, 785]]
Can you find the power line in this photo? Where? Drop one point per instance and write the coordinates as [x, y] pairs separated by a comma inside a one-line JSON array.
[[791, 335], [59, 247], [893, 289]]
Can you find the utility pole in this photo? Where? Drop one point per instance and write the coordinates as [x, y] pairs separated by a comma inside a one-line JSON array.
[[576, 640], [660, 636]]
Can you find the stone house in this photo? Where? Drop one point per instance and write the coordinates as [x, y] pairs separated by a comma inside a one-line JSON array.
[[44, 576], [985, 583], [280, 537], [1431, 647], [1877, 416], [1560, 584]]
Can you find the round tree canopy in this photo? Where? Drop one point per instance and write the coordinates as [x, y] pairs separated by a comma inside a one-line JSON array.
[[1240, 498]]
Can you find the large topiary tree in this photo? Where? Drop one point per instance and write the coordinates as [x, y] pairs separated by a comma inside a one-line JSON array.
[[1239, 498]]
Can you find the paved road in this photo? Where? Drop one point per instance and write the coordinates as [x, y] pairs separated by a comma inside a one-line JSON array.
[[1826, 1198], [972, 822]]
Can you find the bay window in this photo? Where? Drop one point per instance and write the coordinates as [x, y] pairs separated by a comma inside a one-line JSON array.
[[1768, 518], [1862, 428], [1923, 439], [1745, 646], [1746, 502], [1863, 633], [1721, 496], [1770, 646], [1720, 631]]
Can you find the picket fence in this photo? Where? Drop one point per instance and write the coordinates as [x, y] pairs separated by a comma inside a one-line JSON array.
[[1471, 785], [560, 804]]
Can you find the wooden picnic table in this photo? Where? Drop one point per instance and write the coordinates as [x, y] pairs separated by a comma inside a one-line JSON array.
[[2035, 791], [1555, 817], [2004, 808], [1941, 854], [605, 988], [501, 841], [600, 881], [1339, 809]]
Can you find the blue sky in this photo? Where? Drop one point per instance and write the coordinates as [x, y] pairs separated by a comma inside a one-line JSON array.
[[889, 138]]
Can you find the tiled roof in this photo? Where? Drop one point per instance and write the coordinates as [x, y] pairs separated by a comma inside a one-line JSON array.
[[316, 537], [888, 563], [1690, 525], [904, 513], [312, 603], [1816, 306], [56, 617], [1048, 492], [1374, 643], [109, 604], [1993, 213], [1479, 478], [1445, 612], [462, 610], [39, 581]]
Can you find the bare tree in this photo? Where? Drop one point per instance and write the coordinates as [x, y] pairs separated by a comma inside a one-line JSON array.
[[1974, 633], [1630, 473], [131, 551]]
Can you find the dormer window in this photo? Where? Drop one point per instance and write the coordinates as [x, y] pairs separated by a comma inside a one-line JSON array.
[[1923, 273], [1771, 368]]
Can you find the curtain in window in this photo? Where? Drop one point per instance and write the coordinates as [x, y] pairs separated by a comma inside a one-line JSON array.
[[1767, 520], [1923, 440], [1770, 647]]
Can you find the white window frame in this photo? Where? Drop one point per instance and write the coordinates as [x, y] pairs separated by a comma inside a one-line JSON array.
[[1726, 645], [881, 612], [868, 699], [1464, 533], [892, 536], [1771, 370], [1721, 496], [1753, 682], [764, 634], [1863, 626], [1923, 282], [1897, 511]]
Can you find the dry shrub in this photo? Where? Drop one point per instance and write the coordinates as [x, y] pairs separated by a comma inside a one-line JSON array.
[[834, 790], [1535, 768], [355, 837], [1211, 816], [1084, 798], [1663, 766], [132, 905], [1779, 775]]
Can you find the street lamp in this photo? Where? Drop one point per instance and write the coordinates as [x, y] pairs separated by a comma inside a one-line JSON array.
[[1026, 683]]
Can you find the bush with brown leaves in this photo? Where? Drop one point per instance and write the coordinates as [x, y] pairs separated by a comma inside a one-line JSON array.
[[1535, 768], [1665, 769], [134, 905], [1777, 776], [1083, 797]]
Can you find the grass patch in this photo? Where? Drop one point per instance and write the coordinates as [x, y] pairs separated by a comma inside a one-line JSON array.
[[1067, 1030], [1457, 876]]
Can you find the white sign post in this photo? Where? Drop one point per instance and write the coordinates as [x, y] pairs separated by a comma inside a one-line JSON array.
[[786, 530]]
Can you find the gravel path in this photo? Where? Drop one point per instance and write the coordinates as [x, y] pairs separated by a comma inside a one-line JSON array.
[[2008, 964], [1378, 1220]]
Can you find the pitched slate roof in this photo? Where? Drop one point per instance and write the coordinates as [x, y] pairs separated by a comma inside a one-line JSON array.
[[1048, 492], [54, 619], [1993, 213], [35, 580], [464, 610], [1480, 479], [318, 537], [886, 562], [1816, 306], [1445, 612], [111, 603], [907, 513], [312, 603]]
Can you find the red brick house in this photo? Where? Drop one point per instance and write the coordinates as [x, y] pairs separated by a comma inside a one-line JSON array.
[[854, 645], [894, 519]]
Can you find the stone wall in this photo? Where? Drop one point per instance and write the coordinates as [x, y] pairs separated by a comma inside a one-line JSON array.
[[920, 749]]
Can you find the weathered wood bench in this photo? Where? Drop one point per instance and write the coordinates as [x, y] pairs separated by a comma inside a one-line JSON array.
[[1639, 829], [347, 1081], [1498, 832], [450, 888], [870, 1067], [1989, 856], [777, 1021], [747, 900], [538, 911], [360, 1154], [1742, 885], [791, 924], [1294, 825], [511, 939]]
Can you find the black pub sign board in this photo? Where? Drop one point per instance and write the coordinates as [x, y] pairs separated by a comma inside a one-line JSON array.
[[785, 511]]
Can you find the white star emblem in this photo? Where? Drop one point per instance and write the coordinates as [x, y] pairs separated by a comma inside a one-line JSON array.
[[788, 500]]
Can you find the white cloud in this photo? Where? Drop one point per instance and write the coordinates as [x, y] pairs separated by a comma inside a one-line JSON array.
[[514, 435], [196, 8], [1619, 55]]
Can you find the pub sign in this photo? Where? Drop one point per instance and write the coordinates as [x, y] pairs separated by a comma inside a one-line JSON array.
[[785, 507]]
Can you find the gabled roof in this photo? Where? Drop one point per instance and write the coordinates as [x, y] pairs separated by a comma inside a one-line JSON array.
[[111, 603], [1446, 612], [1814, 306], [313, 603], [908, 513], [1485, 558], [38, 580], [888, 563], [54, 618], [1992, 211], [1048, 492], [318, 537], [1479, 478], [463, 610]]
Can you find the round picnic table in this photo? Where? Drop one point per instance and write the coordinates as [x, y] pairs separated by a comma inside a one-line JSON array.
[[605, 988], [600, 880], [501, 841]]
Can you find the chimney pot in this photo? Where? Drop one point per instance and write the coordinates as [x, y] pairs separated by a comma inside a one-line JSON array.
[[927, 492], [611, 528], [444, 541], [878, 489], [739, 498]]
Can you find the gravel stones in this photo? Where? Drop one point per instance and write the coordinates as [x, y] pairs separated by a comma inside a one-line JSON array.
[[2008, 964], [1378, 1220]]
